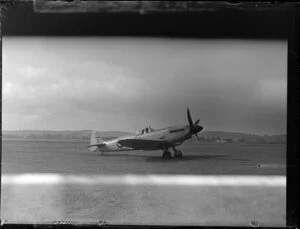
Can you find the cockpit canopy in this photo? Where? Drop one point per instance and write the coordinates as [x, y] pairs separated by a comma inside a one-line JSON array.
[[147, 129]]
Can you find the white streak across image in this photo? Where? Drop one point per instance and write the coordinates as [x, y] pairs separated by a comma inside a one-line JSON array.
[[163, 180]]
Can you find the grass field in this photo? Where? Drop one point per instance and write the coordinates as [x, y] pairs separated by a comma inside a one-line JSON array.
[[143, 204]]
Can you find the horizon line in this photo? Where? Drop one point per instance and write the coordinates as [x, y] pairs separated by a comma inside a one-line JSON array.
[[233, 132]]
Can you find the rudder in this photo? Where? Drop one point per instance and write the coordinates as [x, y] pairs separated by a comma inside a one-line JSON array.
[[95, 141]]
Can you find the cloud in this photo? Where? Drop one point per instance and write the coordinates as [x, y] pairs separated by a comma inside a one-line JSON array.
[[273, 90], [229, 85], [29, 88], [30, 72]]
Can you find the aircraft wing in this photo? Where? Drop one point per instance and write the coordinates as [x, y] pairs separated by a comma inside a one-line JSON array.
[[144, 144]]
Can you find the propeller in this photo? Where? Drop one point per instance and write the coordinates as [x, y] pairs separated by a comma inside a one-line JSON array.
[[194, 127]]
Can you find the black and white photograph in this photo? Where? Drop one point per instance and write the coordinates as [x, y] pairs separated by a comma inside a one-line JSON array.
[[144, 130]]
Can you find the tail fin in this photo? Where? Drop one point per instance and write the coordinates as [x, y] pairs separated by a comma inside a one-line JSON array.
[[95, 142]]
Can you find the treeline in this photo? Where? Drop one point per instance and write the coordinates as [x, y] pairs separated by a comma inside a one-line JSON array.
[[55, 136], [258, 140]]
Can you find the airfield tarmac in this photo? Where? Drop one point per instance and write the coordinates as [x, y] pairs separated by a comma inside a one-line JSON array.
[[73, 157], [143, 204]]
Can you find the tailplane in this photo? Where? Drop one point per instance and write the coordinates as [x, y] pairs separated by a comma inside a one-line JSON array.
[[95, 142]]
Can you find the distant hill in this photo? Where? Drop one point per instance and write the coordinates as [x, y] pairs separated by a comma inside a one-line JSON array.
[[241, 137], [207, 136], [65, 134]]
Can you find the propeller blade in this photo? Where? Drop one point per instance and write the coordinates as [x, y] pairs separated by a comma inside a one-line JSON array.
[[197, 122], [190, 118]]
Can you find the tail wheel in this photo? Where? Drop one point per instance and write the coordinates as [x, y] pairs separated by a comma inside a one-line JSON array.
[[167, 155]]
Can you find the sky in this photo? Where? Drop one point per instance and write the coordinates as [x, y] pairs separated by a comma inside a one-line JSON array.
[[128, 83]]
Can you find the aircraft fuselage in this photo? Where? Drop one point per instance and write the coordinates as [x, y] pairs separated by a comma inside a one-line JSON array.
[[176, 134]]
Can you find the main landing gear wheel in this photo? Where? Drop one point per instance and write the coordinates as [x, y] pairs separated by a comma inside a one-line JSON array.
[[178, 153], [167, 155]]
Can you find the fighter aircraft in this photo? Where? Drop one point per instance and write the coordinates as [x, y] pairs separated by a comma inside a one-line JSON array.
[[150, 139]]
